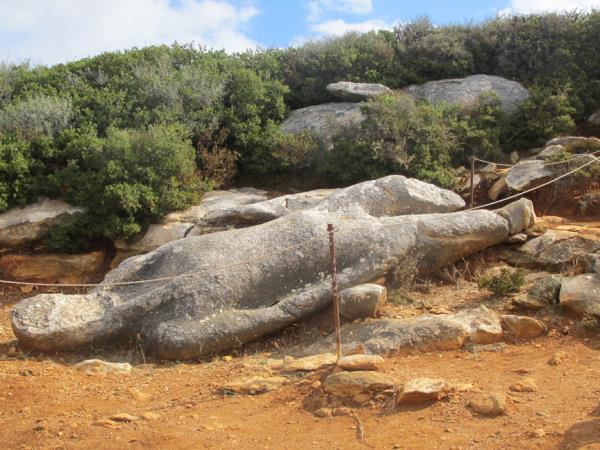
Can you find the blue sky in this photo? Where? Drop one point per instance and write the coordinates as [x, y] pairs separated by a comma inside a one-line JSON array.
[[54, 31]]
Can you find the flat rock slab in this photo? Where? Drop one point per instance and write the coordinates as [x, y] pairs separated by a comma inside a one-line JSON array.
[[361, 362], [356, 92], [309, 363], [100, 367], [53, 268], [425, 333], [554, 250], [576, 142], [422, 390], [254, 385], [350, 384], [19, 226]]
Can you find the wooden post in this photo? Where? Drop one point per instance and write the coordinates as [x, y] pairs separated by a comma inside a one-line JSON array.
[[335, 298], [472, 199]]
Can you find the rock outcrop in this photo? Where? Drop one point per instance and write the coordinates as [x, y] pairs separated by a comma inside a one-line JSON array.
[[217, 201], [422, 334], [581, 294], [389, 196], [53, 268], [323, 120], [155, 236], [356, 92], [179, 224], [20, 226], [575, 144], [544, 166], [232, 287], [466, 91], [554, 250]]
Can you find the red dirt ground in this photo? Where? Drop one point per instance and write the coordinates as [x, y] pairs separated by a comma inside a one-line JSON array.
[[46, 404]]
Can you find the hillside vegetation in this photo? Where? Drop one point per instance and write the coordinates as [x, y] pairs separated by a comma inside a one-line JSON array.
[[133, 135]]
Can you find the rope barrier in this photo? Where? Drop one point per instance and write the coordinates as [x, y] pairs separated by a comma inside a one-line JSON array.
[[286, 249], [553, 163]]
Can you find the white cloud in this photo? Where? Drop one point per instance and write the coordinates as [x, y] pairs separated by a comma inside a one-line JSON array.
[[318, 7], [339, 27], [533, 6], [51, 31]]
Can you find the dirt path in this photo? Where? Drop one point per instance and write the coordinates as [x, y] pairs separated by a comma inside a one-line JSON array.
[[46, 404]]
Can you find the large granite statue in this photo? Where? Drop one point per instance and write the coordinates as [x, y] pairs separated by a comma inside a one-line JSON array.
[[246, 283]]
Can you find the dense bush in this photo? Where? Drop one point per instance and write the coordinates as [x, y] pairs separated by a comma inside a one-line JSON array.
[[134, 134], [36, 116], [309, 68], [417, 139], [126, 180]]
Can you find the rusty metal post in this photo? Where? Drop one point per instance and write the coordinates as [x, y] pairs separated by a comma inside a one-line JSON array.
[[472, 199], [334, 291]]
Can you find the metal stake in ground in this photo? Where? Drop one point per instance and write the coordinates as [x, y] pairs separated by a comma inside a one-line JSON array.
[[335, 297], [472, 199]]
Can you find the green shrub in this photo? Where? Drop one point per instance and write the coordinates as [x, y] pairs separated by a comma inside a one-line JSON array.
[[310, 67], [298, 152], [416, 139], [128, 179], [506, 282], [428, 52], [396, 136], [546, 114], [36, 116], [16, 173]]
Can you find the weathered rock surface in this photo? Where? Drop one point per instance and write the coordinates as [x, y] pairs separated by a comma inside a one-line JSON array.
[[530, 173], [522, 326], [309, 363], [579, 143], [254, 385], [546, 289], [498, 188], [553, 250], [519, 215], [489, 405], [217, 201], [20, 226], [362, 301], [260, 212], [157, 235], [350, 384], [581, 293], [424, 333], [525, 385], [53, 268], [422, 390], [591, 262], [466, 91], [323, 120], [356, 92], [361, 362], [225, 301], [98, 366], [389, 196]]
